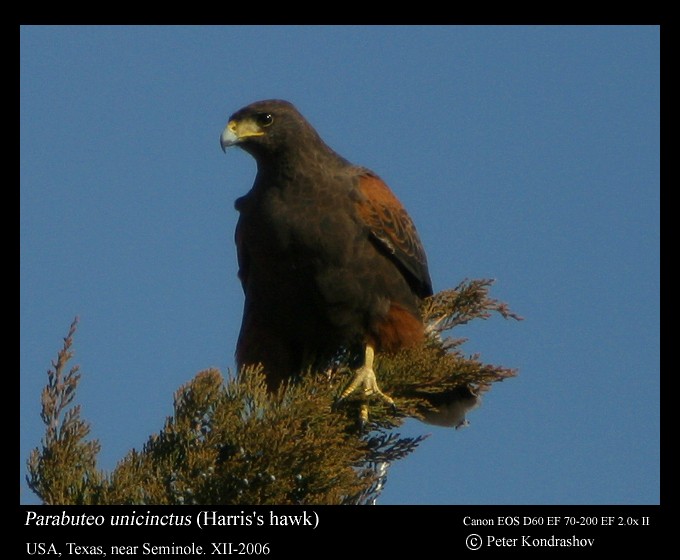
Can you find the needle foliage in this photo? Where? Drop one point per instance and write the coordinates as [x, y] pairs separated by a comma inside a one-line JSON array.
[[230, 441]]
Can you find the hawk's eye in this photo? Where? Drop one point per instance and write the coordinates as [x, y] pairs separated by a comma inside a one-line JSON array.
[[265, 119]]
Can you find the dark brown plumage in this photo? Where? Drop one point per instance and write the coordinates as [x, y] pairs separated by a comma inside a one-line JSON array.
[[328, 257]]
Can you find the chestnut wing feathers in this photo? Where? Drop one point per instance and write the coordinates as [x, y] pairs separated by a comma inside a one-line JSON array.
[[394, 232]]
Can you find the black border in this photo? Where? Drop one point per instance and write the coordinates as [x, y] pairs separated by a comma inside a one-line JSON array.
[[358, 530]]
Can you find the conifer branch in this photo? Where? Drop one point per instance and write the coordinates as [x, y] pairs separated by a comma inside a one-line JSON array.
[[64, 470], [233, 442]]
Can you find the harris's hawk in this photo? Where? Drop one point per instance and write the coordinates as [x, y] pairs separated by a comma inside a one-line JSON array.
[[328, 257]]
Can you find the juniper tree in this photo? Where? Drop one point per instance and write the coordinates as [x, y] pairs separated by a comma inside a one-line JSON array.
[[231, 441]]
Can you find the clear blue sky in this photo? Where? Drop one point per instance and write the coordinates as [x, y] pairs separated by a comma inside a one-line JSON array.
[[525, 154]]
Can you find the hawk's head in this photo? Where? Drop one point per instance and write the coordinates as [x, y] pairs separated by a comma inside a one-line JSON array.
[[269, 128]]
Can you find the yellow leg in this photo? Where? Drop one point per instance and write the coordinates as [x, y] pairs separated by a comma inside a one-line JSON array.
[[365, 381]]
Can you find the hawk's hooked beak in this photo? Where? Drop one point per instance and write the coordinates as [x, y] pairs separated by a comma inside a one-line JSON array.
[[236, 131]]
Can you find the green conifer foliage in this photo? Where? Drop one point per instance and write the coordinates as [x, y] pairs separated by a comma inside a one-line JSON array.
[[230, 441]]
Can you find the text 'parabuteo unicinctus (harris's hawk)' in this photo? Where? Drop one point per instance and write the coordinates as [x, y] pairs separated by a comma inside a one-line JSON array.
[[327, 255]]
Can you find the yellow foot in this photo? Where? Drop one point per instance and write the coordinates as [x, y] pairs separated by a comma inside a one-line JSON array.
[[364, 381]]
